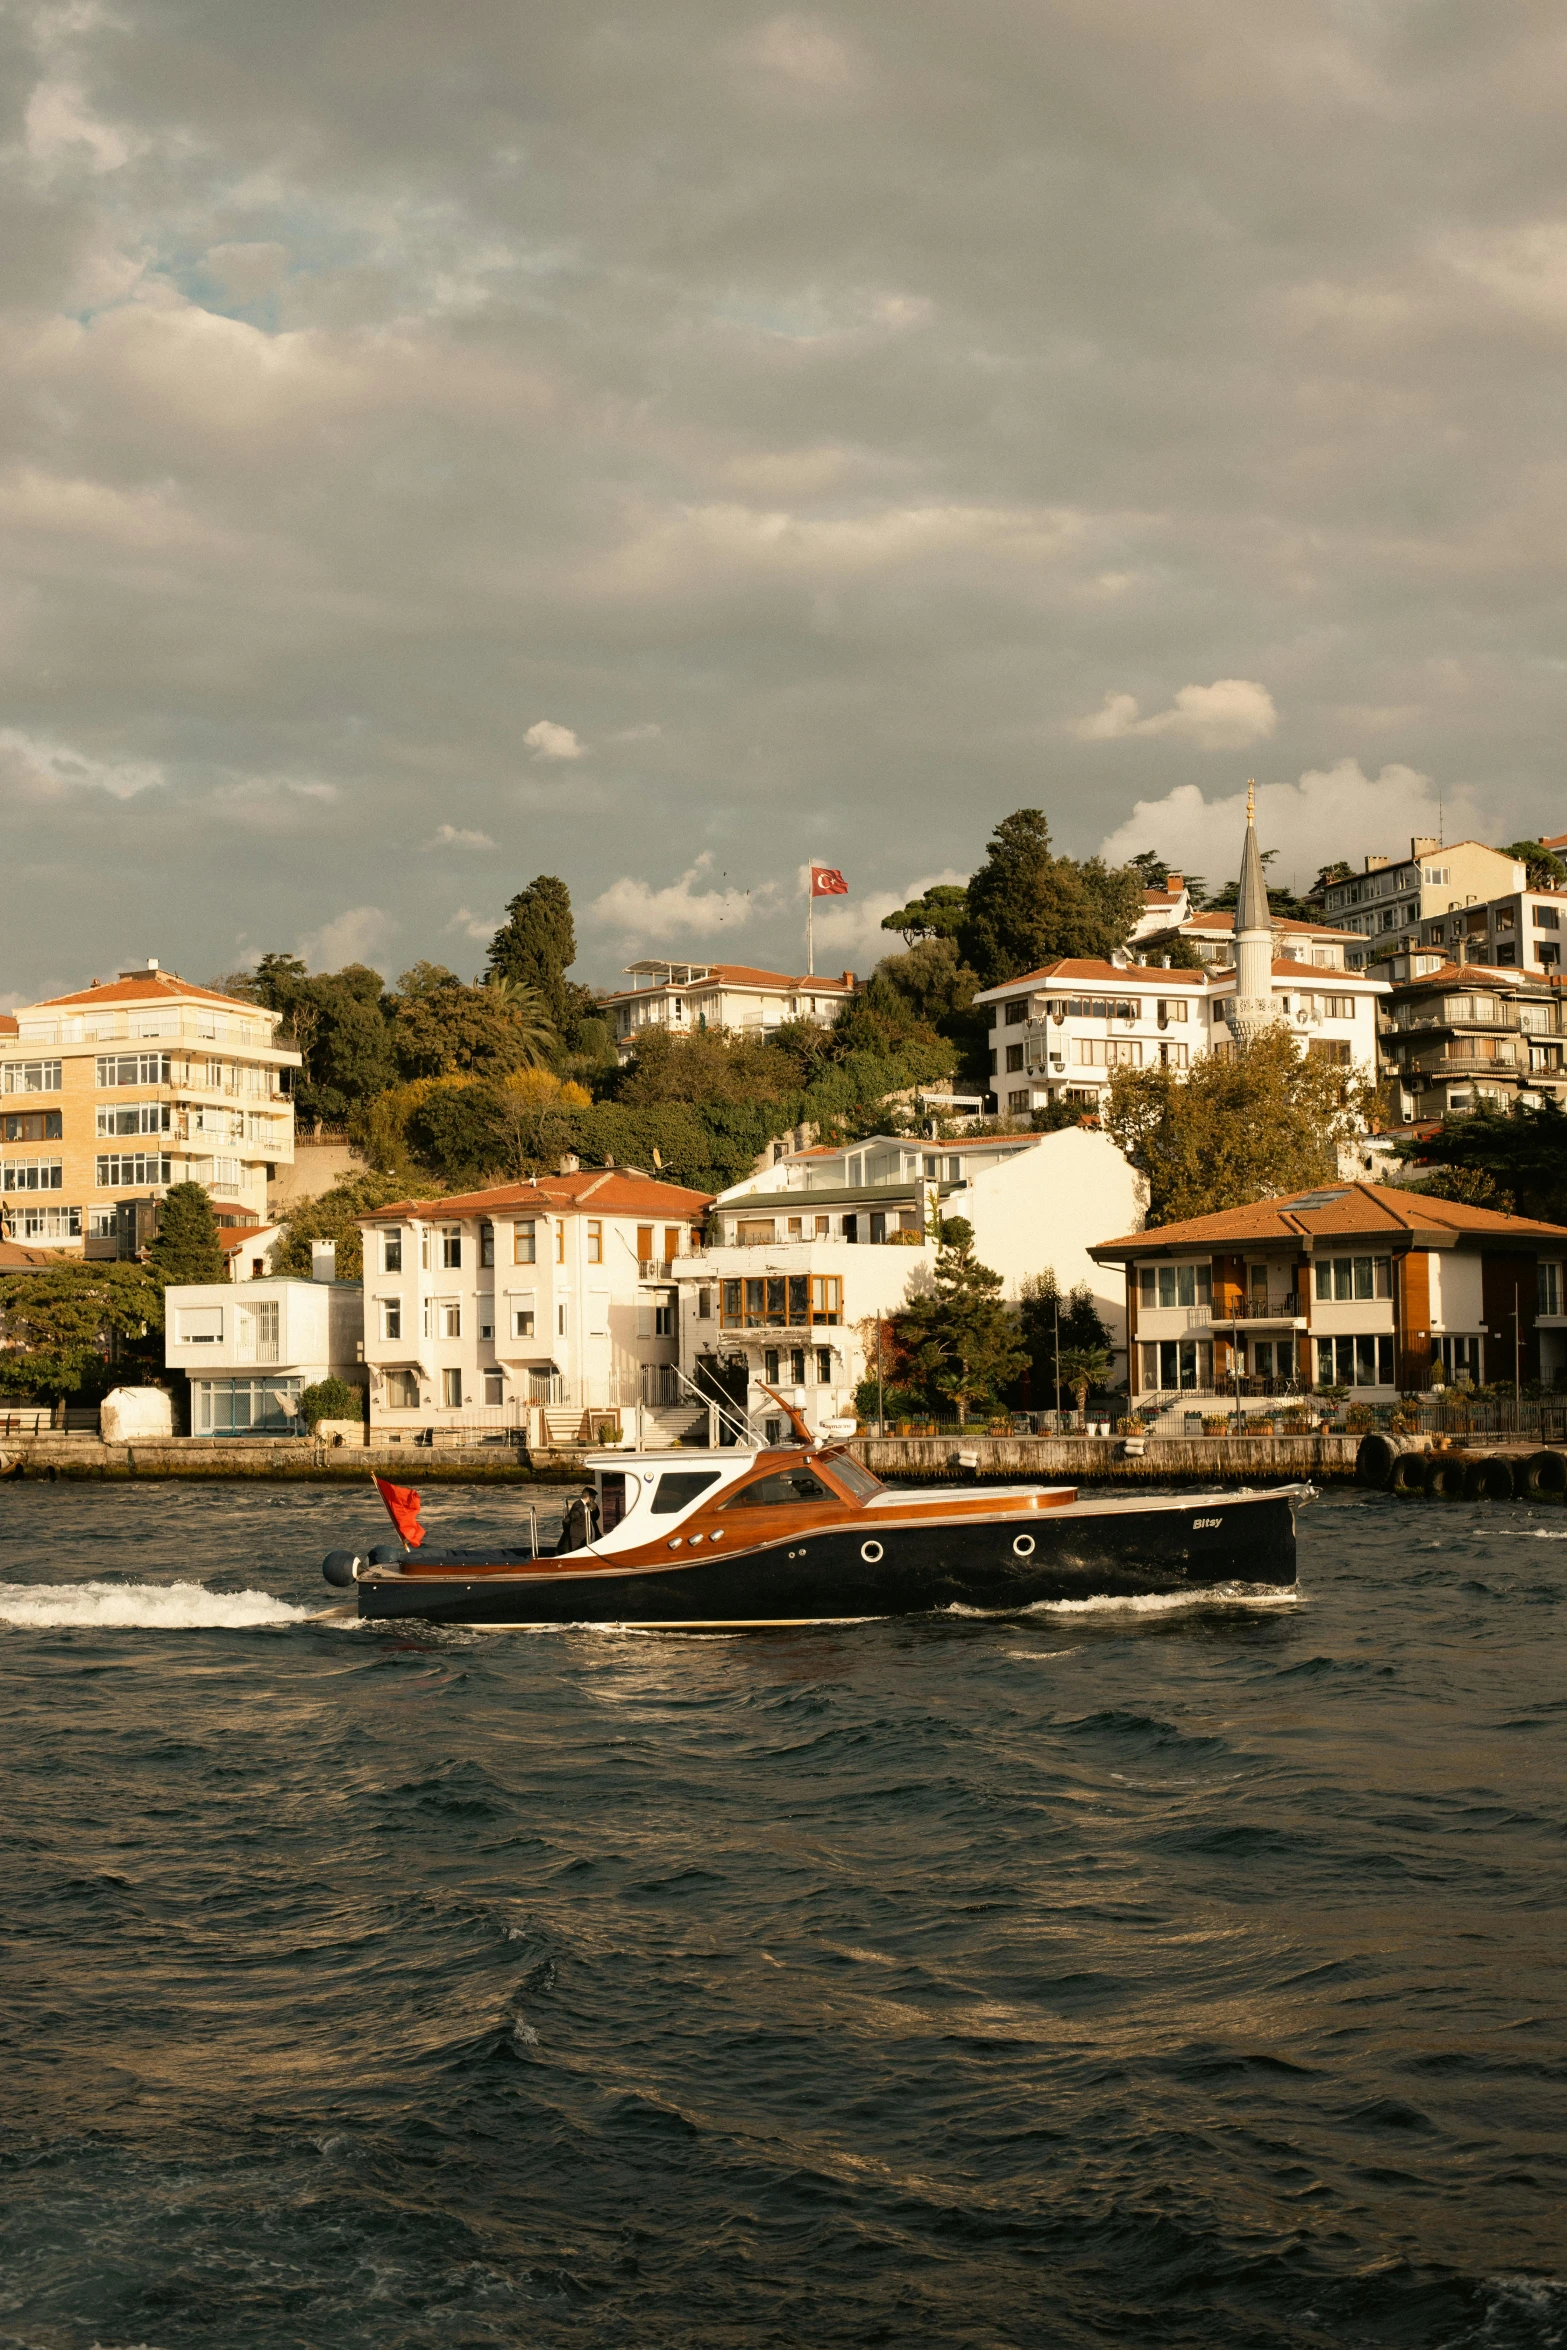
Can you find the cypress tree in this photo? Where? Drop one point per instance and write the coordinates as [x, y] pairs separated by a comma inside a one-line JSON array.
[[536, 945], [186, 1248]]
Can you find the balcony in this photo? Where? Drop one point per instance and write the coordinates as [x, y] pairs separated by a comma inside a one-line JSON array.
[[1286, 1308]]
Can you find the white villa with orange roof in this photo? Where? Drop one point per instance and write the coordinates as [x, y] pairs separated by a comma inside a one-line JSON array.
[[685, 998], [111, 1094]]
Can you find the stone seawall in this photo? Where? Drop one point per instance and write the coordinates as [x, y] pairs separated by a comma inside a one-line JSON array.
[[1163, 1460], [284, 1460]]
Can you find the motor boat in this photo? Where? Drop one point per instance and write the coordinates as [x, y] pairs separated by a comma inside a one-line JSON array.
[[739, 1539]]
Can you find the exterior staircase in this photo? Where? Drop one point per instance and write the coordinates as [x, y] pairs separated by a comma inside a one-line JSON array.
[[665, 1425]]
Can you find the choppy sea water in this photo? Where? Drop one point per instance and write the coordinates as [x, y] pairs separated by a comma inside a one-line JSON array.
[[1126, 1976]]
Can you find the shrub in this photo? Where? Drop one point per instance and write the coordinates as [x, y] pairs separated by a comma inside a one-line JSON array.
[[330, 1399]]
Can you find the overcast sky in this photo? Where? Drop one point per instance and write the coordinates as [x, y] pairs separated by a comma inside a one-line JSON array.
[[659, 445]]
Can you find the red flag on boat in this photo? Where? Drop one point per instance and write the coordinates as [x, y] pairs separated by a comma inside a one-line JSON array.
[[828, 882], [402, 1507]]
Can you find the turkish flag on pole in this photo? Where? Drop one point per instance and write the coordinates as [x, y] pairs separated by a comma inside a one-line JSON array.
[[828, 882], [402, 1507]]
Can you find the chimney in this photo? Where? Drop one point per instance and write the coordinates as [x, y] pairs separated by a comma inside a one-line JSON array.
[[570, 1164], [1422, 845], [848, 979], [1175, 883], [323, 1260], [1378, 864], [152, 962]]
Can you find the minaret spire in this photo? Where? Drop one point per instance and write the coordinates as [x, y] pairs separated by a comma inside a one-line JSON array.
[[1252, 1009]]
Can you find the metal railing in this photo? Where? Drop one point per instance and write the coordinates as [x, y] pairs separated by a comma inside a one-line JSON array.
[[1260, 1309]]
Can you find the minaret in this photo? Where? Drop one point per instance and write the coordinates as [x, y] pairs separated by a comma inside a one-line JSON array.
[[1252, 1009]]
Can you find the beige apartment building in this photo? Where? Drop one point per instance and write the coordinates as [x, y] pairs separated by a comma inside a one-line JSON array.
[[110, 1095], [1387, 904]]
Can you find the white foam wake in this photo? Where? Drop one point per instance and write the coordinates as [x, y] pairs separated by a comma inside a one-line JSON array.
[[1163, 1603], [140, 1607]]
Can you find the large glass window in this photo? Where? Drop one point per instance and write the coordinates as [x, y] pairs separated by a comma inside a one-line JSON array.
[[136, 1118], [1364, 1360], [133, 1069], [32, 1175], [1339, 1278], [30, 1126], [132, 1167], [29, 1077], [246, 1407], [1175, 1285]]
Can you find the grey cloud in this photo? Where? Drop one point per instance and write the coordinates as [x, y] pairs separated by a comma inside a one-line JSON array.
[[818, 412]]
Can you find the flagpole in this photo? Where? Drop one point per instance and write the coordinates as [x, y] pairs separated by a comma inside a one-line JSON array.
[[810, 924]]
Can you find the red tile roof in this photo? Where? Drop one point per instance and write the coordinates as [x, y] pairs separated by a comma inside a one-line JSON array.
[[1222, 919], [145, 985], [1081, 967], [8, 1026], [14, 1258], [607, 1191], [742, 975], [1364, 1210]]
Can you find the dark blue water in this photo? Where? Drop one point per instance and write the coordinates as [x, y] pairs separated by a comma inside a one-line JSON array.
[[1130, 1977]]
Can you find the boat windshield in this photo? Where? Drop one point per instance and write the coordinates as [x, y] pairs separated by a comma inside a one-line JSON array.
[[783, 1489], [858, 1479]]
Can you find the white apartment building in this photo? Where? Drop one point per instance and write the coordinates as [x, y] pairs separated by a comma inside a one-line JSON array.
[[109, 1095], [1060, 1034], [249, 1358], [811, 1253], [1388, 903], [483, 1311], [1211, 934], [688, 997], [1521, 931]]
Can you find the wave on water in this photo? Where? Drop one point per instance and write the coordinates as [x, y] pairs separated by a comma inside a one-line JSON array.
[[1163, 1603], [141, 1607]]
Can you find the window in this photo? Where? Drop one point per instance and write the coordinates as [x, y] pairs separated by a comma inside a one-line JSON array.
[[1435, 875], [391, 1317], [134, 1167], [391, 1252], [1174, 1056], [29, 1077], [664, 1317], [1506, 955], [1175, 1285], [137, 1118], [39, 1223], [1171, 1008], [1109, 1052], [199, 1326], [704, 1305], [1355, 1362], [451, 1390], [678, 1489], [1349, 1277], [522, 1321], [1014, 1058], [1547, 918], [784, 1489], [524, 1243], [402, 1391], [1017, 1012], [443, 1317], [1459, 1358], [494, 1387], [823, 1366], [561, 1329], [451, 1247], [560, 1241], [134, 1069], [595, 1242], [770, 1365], [31, 1126], [1178, 1363], [1017, 1102], [1332, 1049], [1550, 1288], [486, 1244]]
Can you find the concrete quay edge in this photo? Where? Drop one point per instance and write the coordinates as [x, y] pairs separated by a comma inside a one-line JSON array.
[[285, 1460]]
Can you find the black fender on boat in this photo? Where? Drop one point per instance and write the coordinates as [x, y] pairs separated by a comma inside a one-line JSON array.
[[341, 1568]]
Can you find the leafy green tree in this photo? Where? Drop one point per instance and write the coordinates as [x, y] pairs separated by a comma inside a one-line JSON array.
[[939, 913], [68, 1325], [536, 945], [1546, 869], [960, 1342], [1026, 906], [1247, 1124], [930, 986], [1042, 1308], [440, 1028], [187, 1247], [337, 1022], [332, 1216], [1521, 1151], [1153, 868], [330, 1399]]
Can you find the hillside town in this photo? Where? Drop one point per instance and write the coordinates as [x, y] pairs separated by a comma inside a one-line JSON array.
[[1206, 1159]]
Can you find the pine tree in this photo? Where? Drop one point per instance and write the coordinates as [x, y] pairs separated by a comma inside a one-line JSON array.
[[1026, 906], [536, 945], [186, 1248], [961, 1342]]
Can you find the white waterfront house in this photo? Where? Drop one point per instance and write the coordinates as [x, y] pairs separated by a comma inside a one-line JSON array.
[[685, 998], [1059, 1034], [251, 1350], [809, 1254], [556, 1296]]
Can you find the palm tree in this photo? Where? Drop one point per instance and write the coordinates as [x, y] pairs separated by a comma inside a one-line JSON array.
[[1081, 1368], [533, 1029]]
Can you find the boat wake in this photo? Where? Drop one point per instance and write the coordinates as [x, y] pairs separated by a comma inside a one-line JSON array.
[[141, 1607], [1149, 1603]]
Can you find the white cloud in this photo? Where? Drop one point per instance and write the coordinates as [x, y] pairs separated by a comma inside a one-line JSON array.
[[351, 937], [481, 927], [1331, 812], [59, 118], [1224, 716], [42, 768], [637, 911], [452, 836], [546, 740]]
